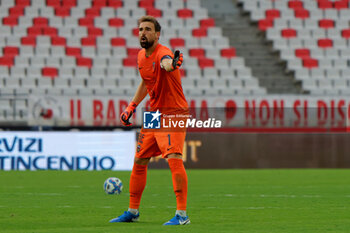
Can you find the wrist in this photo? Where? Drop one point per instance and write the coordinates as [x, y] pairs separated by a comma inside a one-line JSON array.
[[132, 105]]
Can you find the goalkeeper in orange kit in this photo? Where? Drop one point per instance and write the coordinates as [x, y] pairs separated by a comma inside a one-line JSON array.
[[161, 80]]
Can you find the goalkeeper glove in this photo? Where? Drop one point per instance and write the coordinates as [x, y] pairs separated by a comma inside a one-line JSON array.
[[177, 61], [126, 115]]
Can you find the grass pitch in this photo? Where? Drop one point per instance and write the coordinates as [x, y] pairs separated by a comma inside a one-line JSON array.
[[219, 201]]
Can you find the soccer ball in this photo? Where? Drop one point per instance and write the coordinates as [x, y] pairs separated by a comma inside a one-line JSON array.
[[113, 185]]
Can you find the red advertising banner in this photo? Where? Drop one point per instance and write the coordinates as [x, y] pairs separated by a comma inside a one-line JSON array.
[[242, 113]]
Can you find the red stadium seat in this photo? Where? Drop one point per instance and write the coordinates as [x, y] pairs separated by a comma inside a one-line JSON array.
[[53, 3], [34, 31], [49, 72], [295, 4], [325, 4], [73, 51], [6, 61], [132, 52], [146, 4], [88, 41], [177, 42], [28, 40], [69, 3], [135, 32], [154, 12], [40, 21], [88, 22], [118, 41], [345, 33], [289, 33], [93, 31], [205, 62], [264, 24], [62, 11], [115, 3], [130, 62], [116, 22], [310, 63], [10, 21], [199, 32], [16, 11], [50, 31], [228, 52], [58, 41], [325, 43], [92, 12], [99, 3], [342, 4], [10, 51], [84, 61], [23, 3], [207, 23], [326, 23], [302, 53], [185, 13], [198, 52], [301, 13], [272, 14]]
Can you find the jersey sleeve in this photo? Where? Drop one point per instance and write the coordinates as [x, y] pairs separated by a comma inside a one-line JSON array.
[[165, 52]]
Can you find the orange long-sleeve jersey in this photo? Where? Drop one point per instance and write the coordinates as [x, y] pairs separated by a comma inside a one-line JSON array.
[[164, 88]]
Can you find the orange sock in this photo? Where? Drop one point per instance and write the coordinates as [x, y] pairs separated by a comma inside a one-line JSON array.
[[179, 176], [137, 185]]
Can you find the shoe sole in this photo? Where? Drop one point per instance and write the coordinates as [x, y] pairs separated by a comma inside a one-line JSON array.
[[132, 220]]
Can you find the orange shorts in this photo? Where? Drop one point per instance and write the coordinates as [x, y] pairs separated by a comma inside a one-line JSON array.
[[152, 144]]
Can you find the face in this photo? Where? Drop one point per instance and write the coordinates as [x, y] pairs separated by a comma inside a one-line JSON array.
[[147, 34]]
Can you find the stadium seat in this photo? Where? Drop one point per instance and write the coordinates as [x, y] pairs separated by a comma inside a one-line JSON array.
[[228, 52], [177, 42], [51, 72], [57, 46], [205, 62], [313, 35]]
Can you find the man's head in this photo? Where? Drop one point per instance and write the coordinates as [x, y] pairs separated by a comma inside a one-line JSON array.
[[149, 31]]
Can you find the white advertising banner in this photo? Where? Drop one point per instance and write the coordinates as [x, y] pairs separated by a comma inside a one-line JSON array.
[[67, 150], [277, 111]]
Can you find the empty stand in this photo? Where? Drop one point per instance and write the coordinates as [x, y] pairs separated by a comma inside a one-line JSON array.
[[79, 47], [311, 36], [50, 37]]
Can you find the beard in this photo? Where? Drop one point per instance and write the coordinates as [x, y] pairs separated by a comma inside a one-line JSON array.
[[146, 44]]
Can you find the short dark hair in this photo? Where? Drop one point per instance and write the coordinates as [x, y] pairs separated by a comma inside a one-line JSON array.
[[148, 18]]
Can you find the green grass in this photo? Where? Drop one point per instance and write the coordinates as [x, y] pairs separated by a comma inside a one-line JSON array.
[[236, 201]]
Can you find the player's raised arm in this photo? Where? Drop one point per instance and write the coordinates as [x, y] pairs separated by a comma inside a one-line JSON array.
[[140, 94], [172, 64]]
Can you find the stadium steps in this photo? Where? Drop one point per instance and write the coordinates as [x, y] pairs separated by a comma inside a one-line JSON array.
[[253, 47]]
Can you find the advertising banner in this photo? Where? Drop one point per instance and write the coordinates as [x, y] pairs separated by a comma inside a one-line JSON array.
[[115, 151], [263, 150], [242, 113], [67, 150]]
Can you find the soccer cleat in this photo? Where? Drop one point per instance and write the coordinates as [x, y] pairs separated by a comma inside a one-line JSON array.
[[126, 217], [178, 220]]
